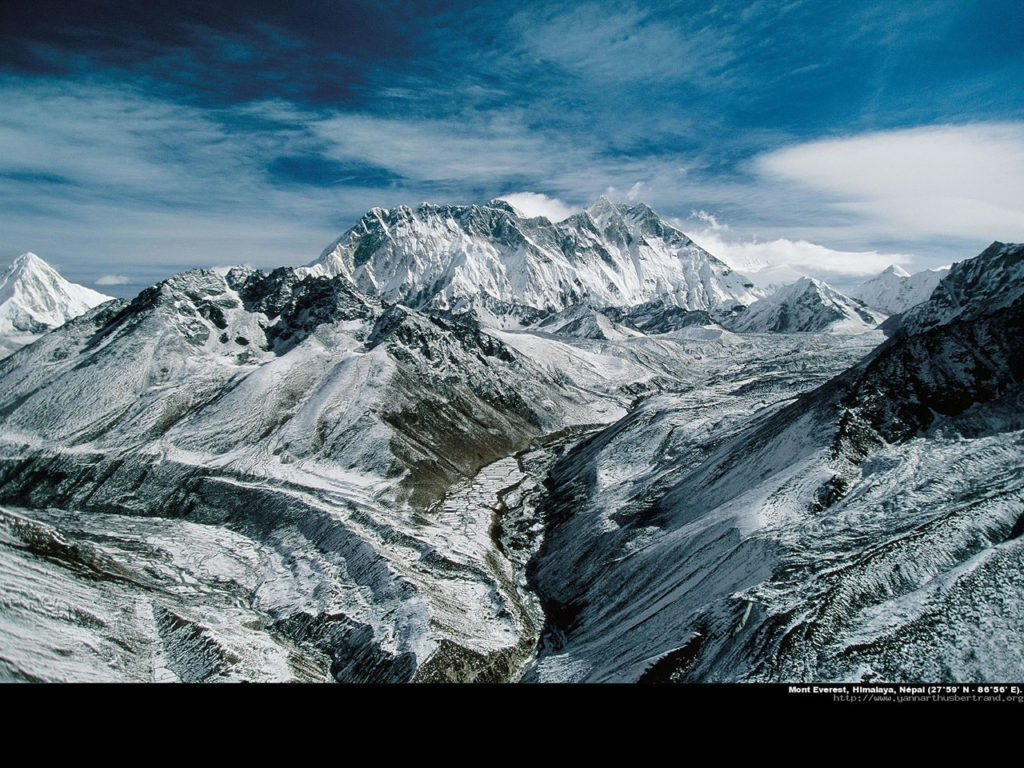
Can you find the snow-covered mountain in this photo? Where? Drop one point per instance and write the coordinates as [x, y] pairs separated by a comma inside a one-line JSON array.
[[332, 445], [895, 290], [992, 281], [34, 298], [491, 259], [808, 305], [868, 530], [290, 476], [585, 322]]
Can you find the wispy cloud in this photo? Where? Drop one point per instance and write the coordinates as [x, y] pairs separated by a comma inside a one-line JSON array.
[[127, 177], [627, 42], [478, 156], [464, 151], [709, 219], [635, 191], [165, 137], [149, 181], [798, 255], [962, 181], [109, 280]]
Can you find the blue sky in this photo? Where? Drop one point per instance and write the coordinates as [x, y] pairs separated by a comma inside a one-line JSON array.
[[137, 139]]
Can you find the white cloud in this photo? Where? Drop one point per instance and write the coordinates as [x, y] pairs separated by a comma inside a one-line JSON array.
[[113, 280], [709, 219], [958, 181], [132, 179], [420, 150], [536, 204], [789, 257]]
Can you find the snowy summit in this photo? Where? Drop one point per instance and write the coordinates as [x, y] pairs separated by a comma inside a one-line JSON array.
[[808, 305], [895, 290], [489, 257], [34, 298]]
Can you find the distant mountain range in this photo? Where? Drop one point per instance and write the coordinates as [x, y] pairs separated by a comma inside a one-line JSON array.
[[514, 271], [495, 261]]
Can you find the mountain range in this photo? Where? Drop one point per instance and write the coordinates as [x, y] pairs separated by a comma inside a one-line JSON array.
[[495, 261], [469, 445]]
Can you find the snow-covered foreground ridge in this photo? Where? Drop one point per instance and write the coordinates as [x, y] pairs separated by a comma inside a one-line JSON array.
[[866, 530], [290, 476]]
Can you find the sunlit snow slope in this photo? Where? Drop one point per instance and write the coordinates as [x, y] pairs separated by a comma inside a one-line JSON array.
[[807, 305], [895, 290], [323, 441], [35, 298]]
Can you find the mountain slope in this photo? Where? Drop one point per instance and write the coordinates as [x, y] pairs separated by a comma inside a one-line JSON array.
[[808, 305], [492, 260], [895, 290], [305, 425], [585, 322], [859, 532], [972, 288]]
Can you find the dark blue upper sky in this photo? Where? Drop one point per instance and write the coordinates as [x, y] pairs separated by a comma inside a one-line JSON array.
[[140, 138]]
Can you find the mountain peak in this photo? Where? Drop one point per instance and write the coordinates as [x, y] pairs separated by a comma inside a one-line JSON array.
[[504, 205], [24, 268], [642, 208], [990, 281], [807, 305], [29, 262], [467, 256], [602, 210], [26, 259], [34, 298], [895, 290], [896, 269], [807, 282]]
